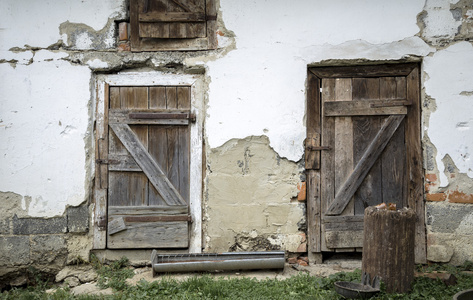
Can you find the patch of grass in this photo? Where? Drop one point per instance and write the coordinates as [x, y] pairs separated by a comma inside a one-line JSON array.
[[301, 286], [113, 275]]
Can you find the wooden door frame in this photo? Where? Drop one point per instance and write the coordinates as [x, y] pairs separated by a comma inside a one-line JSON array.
[[102, 84], [413, 144]]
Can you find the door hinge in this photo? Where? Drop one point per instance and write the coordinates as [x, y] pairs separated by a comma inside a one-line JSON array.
[[107, 161], [318, 148], [101, 222]]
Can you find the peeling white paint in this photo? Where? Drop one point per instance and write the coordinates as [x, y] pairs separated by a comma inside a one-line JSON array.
[[450, 73], [42, 150], [259, 88], [36, 23], [97, 63], [439, 21]]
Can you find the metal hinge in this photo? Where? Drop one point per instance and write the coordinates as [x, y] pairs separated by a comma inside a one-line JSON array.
[[107, 161], [318, 148]]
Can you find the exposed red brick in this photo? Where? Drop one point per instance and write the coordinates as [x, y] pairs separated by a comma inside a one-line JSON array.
[[292, 260], [436, 197], [460, 197], [124, 47], [302, 248], [431, 177], [302, 195], [220, 33], [123, 31], [302, 262]]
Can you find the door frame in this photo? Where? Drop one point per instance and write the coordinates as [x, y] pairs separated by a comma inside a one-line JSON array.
[[313, 141], [102, 84]]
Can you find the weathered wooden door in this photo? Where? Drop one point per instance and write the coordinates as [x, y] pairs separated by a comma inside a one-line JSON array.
[[147, 163], [363, 148]]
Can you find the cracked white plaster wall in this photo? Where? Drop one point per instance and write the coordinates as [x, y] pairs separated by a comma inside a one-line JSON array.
[[44, 119], [439, 21], [36, 23], [259, 88], [97, 63], [449, 81]]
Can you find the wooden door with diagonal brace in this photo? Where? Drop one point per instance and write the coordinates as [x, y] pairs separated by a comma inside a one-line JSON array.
[[147, 166], [362, 149]]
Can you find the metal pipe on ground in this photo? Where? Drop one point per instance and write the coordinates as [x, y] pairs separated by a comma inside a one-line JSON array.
[[216, 261]]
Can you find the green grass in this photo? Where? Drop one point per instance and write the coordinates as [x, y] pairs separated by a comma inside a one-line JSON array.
[[301, 286]]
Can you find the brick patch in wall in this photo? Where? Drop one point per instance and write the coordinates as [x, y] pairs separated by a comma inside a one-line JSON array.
[[302, 195], [436, 197], [123, 31], [460, 197]]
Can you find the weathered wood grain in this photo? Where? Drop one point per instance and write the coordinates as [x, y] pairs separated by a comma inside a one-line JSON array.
[[388, 247], [152, 170], [313, 211], [363, 71], [414, 163], [362, 108], [327, 168], [312, 158], [364, 165], [364, 131]]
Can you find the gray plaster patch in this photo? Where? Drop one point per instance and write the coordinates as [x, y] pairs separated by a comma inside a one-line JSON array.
[[84, 37], [49, 249], [446, 218]]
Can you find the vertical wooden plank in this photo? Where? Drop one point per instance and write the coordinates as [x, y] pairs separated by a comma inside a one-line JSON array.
[[327, 168], [139, 181], [211, 10], [313, 211], [393, 157], [184, 100], [100, 193], [312, 158], [364, 130], [157, 97], [414, 163], [343, 150], [134, 25], [157, 140], [172, 140], [117, 180], [401, 88], [312, 164], [343, 140]]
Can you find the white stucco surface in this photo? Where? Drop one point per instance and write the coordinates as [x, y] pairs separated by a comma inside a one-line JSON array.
[[36, 23], [43, 122], [450, 83], [259, 88]]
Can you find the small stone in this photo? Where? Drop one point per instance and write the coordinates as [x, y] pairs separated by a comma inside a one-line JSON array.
[[19, 281], [72, 281], [439, 253], [302, 262]]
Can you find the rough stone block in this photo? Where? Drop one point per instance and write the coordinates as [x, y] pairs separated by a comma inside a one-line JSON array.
[[78, 219], [439, 253], [24, 226], [14, 250], [49, 250], [443, 218], [5, 226]]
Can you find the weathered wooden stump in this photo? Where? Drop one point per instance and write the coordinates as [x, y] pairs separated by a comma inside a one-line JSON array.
[[388, 247]]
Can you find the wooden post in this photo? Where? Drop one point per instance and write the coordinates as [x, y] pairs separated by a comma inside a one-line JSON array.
[[388, 247]]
